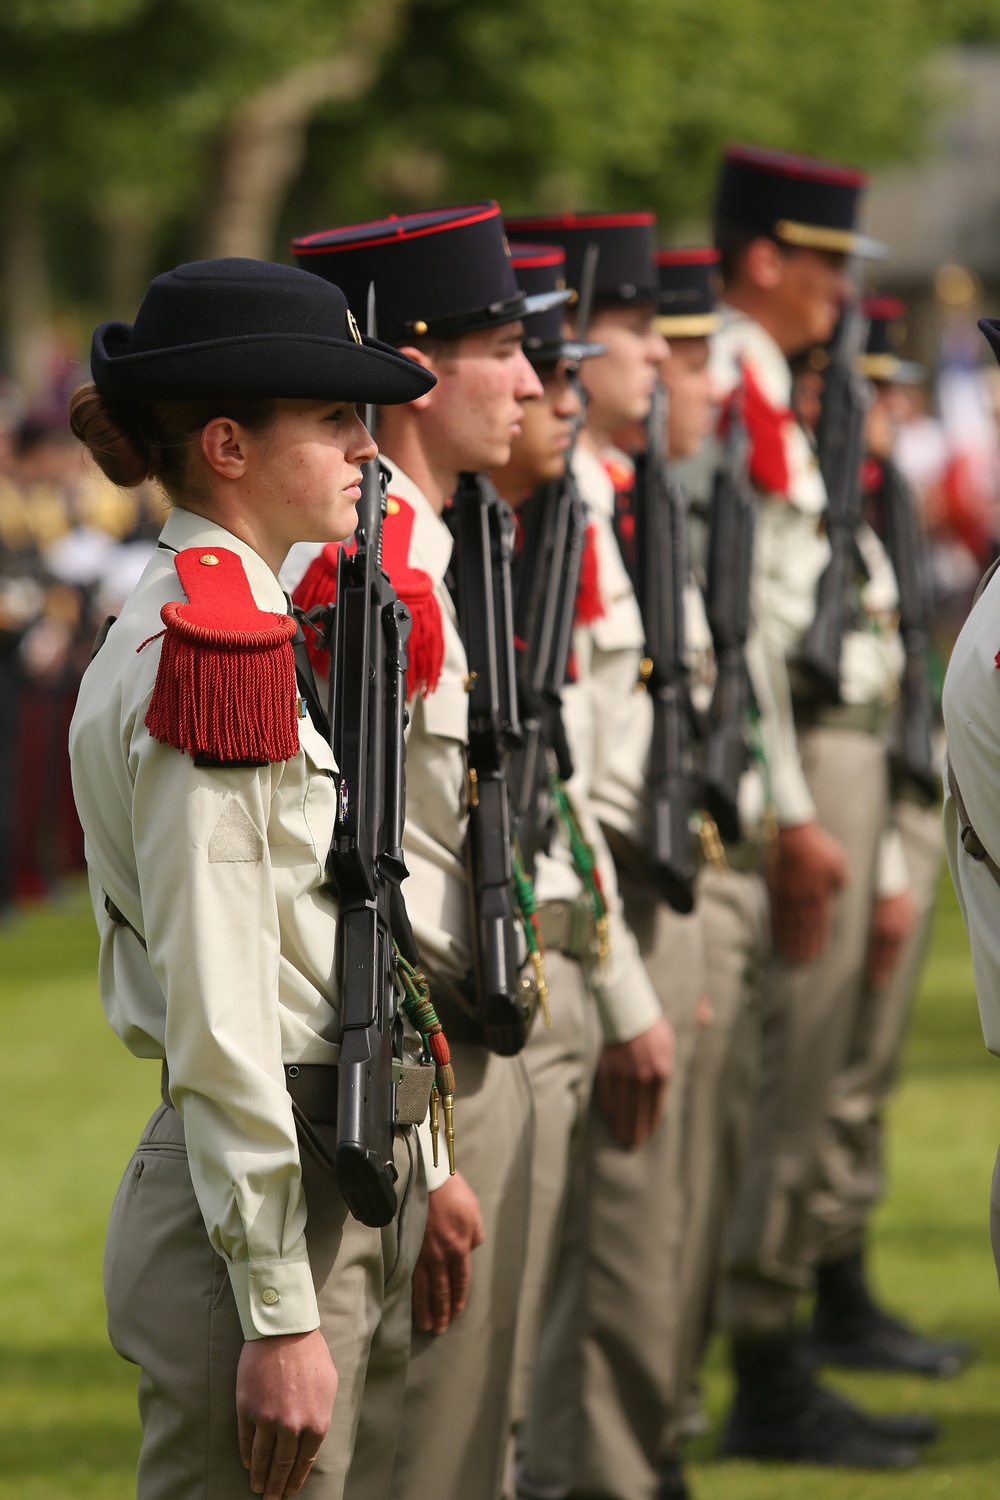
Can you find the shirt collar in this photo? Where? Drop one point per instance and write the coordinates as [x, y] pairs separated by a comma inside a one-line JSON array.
[[749, 340], [184, 529], [432, 543]]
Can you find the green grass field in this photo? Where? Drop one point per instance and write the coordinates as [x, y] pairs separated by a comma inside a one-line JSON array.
[[72, 1103]]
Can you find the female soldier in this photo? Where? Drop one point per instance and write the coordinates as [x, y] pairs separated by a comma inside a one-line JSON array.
[[208, 799]]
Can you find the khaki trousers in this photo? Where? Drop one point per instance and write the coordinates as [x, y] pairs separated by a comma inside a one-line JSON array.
[[809, 1017], [852, 1171], [722, 1093], [456, 1411], [561, 1062], [171, 1311], [605, 1377]]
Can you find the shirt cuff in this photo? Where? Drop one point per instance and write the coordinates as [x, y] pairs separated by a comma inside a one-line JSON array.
[[628, 1005], [274, 1296], [793, 803], [438, 1175], [892, 877]]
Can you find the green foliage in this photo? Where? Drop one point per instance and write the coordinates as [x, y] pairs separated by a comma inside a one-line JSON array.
[[620, 102]]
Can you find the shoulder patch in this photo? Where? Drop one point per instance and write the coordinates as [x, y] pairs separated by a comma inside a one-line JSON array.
[[236, 839], [225, 685]]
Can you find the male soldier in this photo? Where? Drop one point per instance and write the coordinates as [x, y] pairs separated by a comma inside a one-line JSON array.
[[603, 1378], [590, 995], [445, 291], [731, 892], [784, 228], [971, 804], [849, 1329]]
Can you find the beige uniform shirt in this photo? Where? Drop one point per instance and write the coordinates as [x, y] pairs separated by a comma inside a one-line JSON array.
[[222, 872], [609, 728], [972, 727], [790, 555]]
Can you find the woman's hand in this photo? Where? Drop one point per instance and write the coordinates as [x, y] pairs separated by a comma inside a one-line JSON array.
[[443, 1271], [285, 1389]]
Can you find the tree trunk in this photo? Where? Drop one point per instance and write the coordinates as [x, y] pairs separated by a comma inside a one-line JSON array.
[[129, 224], [262, 151]]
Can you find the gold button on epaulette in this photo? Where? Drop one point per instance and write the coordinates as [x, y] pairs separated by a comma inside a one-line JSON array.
[[210, 560], [391, 506]]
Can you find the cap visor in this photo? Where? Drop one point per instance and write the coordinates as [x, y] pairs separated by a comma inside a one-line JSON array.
[[545, 302]]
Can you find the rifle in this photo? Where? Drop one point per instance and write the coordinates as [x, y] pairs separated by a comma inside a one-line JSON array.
[[479, 522], [369, 632], [546, 577], [545, 587], [661, 571], [912, 751], [731, 522], [840, 440]]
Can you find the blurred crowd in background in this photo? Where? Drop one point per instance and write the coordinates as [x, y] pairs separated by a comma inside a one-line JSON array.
[[72, 546]]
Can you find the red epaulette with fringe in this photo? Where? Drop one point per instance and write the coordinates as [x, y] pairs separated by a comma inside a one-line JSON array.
[[225, 686], [766, 430], [425, 648], [589, 604]]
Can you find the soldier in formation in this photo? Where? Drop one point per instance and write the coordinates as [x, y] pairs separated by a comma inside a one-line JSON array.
[[494, 1083]]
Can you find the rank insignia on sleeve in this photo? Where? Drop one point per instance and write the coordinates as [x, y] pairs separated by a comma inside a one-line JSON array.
[[225, 685]]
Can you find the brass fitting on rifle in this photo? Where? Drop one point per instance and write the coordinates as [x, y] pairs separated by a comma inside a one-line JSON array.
[[435, 1123], [712, 846], [449, 1130], [543, 990]]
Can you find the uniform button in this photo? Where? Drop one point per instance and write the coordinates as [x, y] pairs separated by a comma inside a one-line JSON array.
[[209, 560], [269, 1296]]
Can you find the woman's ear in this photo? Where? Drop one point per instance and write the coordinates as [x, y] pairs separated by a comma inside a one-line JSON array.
[[420, 357], [223, 446]]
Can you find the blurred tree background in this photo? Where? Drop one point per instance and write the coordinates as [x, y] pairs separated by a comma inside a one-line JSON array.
[[136, 133]]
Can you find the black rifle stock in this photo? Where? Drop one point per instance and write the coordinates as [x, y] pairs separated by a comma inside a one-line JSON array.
[[661, 576], [368, 716], [732, 518], [479, 523], [840, 441], [912, 750]]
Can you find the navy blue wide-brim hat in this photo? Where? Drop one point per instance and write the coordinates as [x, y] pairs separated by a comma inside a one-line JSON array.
[[798, 200], [251, 329], [688, 293], [540, 269], [625, 242], [439, 274]]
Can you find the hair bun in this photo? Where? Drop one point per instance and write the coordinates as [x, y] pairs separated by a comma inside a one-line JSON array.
[[119, 452]]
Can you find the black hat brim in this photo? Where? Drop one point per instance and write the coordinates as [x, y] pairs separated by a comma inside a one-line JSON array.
[[991, 328], [307, 367]]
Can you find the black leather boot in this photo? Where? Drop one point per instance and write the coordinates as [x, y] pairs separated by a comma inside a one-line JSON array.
[[781, 1415], [851, 1331]]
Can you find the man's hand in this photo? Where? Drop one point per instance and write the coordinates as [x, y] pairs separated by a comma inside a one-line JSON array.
[[893, 919], [632, 1079], [808, 871], [285, 1390], [443, 1271]]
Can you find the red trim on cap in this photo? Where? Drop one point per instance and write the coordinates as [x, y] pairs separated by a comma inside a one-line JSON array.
[[785, 164], [707, 257], [890, 308], [537, 255], [304, 245], [640, 217]]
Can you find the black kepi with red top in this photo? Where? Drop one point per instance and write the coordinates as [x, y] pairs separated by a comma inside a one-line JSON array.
[[439, 274], [626, 243], [542, 269], [687, 297], [882, 360], [797, 200]]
